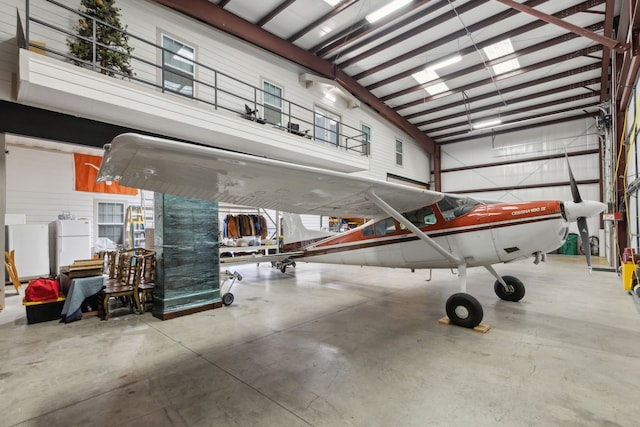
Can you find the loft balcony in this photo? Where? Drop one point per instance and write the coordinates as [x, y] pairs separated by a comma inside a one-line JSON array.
[[219, 110]]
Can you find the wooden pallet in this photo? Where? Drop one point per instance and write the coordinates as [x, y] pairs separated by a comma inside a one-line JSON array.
[[482, 327]]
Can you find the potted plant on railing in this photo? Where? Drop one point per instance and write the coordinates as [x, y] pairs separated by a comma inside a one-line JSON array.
[[111, 41]]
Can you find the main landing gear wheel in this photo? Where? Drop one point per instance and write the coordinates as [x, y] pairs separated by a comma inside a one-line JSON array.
[[464, 310], [227, 299], [515, 292]]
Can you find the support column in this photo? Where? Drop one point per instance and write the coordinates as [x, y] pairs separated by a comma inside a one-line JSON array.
[[3, 207], [187, 256]]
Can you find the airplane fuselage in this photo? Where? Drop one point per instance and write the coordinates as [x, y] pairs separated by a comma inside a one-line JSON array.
[[481, 234]]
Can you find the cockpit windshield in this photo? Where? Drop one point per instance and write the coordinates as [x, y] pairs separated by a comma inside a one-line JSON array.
[[452, 207]]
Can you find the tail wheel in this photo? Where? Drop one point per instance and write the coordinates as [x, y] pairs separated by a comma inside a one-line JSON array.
[[515, 291], [464, 310]]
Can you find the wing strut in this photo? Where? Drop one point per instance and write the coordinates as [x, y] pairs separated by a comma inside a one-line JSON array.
[[373, 197]]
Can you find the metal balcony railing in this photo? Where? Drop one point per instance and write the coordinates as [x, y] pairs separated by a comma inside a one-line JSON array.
[[211, 87]]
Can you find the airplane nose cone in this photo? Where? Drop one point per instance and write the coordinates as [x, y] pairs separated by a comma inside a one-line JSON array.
[[585, 208]]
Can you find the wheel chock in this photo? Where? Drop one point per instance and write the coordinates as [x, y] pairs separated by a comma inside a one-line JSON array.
[[482, 327]]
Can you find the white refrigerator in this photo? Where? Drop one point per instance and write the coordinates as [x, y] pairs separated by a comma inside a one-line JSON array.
[[73, 241], [31, 245]]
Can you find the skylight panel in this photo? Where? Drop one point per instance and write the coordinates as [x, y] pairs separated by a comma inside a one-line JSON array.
[[436, 88], [498, 50], [428, 75], [425, 75]]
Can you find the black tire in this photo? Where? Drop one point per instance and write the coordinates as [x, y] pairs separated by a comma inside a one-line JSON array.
[[515, 292], [464, 310], [283, 269], [227, 299]]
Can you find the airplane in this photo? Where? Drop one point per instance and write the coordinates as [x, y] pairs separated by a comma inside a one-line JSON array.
[[409, 227]]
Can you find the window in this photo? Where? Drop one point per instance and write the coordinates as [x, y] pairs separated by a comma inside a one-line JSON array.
[[420, 217], [178, 69], [386, 226], [111, 221], [453, 207], [327, 127], [398, 152], [272, 103], [366, 140]]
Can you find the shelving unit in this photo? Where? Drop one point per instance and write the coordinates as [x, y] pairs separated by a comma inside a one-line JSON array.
[[238, 252]]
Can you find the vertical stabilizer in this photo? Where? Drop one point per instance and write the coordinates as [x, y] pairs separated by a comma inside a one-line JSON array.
[[294, 230]]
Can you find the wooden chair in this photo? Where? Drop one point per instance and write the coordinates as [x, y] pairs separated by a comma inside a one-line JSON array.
[[10, 265], [124, 285], [110, 263], [147, 280]]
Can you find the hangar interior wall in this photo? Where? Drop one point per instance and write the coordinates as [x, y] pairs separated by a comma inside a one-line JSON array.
[[529, 180], [627, 196], [40, 184]]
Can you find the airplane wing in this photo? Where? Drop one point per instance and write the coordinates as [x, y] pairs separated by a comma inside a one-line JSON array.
[[190, 170]]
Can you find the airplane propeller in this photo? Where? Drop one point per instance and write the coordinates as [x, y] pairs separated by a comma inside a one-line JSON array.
[[579, 210]]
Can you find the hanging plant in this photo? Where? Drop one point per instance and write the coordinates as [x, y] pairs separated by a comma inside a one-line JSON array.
[[112, 43]]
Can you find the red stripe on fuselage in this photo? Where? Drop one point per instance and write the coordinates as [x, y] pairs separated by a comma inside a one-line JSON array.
[[482, 217]]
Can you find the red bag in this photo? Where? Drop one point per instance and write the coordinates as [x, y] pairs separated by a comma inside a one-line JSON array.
[[42, 289]]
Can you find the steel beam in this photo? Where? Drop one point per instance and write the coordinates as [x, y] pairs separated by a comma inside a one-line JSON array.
[[275, 12], [513, 101], [490, 131], [605, 41], [483, 65], [453, 36], [514, 111], [546, 79], [363, 27], [336, 10], [548, 62], [582, 7]]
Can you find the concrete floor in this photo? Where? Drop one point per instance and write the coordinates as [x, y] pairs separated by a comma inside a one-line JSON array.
[[332, 345]]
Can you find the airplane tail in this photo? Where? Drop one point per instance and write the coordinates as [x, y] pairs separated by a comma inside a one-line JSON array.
[[295, 232]]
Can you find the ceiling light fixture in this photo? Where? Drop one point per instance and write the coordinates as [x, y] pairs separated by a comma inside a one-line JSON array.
[[329, 96], [332, 2], [446, 62], [386, 10], [486, 123]]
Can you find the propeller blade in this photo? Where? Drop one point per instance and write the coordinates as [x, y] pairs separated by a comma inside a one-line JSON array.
[[574, 187], [584, 237]]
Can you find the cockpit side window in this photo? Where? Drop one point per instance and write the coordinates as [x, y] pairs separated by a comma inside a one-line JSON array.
[[386, 226], [420, 217], [453, 207]]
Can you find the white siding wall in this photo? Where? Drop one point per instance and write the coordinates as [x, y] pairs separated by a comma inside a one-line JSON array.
[[224, 53], [40, 184], [8, 44]]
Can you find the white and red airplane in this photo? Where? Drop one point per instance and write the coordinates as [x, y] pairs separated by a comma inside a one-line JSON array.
[[410, 227]]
